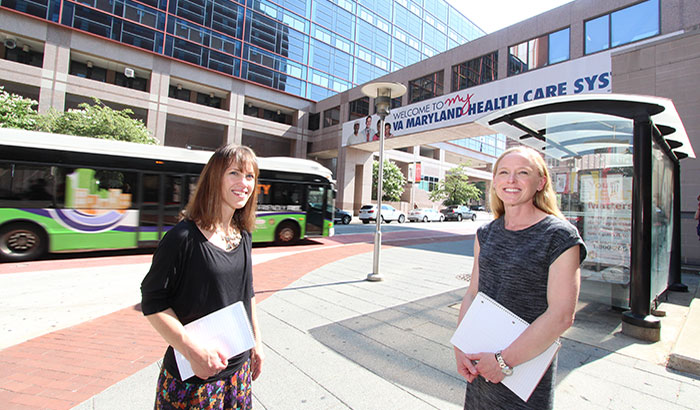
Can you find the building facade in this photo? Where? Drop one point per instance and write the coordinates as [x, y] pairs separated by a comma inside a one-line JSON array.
[[281, 76], [622, 46], [159, 53]]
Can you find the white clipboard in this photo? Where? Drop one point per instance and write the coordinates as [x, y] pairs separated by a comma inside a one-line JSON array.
[[227, 329], [489, 327]]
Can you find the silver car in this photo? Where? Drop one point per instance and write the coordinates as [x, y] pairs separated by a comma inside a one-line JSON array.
[[389, 213], [425, 215]]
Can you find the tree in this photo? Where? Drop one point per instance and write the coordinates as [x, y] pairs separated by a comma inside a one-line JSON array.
[[455, 189], [97, 121], [17, 111], [393, 181]]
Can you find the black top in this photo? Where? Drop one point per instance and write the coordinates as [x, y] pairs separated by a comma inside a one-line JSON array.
[[194, 277], [513, 270]]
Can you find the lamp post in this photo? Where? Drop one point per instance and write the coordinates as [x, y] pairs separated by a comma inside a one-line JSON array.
[[382, 92]]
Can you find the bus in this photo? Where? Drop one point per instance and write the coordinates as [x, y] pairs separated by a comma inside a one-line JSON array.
[[62, 193]]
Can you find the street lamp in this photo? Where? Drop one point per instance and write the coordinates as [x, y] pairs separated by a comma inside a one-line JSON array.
[[382, 92]]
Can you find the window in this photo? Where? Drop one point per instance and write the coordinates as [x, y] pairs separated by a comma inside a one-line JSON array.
[[267, 114], [365, 72], [209, 100], [480, 70], [178, 92], [314, 121], [22, 54], [434, 38], [396, 102], [30, 186], [428, 183], [331, 117], [621, 27], [539, 52], [358, 108], [404, 54], [425, 87], [133, 82], [88, 70]]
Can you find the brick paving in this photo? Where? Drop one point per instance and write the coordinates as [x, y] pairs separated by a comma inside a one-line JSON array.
[[61, 369]]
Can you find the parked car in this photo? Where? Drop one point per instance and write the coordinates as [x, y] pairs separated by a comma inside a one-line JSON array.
[[340, 216], [458, 212], [425, 215], [389, 213], [478, 208]]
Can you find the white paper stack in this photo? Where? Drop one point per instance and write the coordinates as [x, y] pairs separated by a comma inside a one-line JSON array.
[[227, 330], [489, 327]]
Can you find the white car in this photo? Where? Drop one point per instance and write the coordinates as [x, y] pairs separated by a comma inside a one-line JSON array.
[[389, 213], [425, 215]]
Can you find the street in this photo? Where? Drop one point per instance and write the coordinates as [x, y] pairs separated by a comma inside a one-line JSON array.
[[43, 296]]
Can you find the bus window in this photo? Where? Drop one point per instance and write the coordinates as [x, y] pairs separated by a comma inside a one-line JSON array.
[[284, 194], [173, 200], [191, 187], [315, 210], [150, 206], [26, 186]]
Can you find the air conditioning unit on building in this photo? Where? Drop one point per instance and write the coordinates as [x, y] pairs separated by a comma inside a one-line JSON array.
[[129, 72], [10, 43]]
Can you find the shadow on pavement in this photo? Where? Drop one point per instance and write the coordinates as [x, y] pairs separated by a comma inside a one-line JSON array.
[[407, 345], [321, 285]]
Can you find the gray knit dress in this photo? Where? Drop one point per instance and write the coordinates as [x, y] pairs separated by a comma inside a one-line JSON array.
[[513, 270]]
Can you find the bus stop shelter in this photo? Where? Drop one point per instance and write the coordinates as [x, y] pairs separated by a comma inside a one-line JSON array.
[[615, 165]]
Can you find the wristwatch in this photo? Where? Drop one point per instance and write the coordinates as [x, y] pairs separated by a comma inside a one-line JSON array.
[[507, 370]]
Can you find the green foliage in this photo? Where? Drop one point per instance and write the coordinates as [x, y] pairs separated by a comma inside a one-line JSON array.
[[17, 111], [393, 181], [97, 121], [455, 189]]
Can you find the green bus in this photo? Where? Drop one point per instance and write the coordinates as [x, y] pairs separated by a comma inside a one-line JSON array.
[[61, 193]]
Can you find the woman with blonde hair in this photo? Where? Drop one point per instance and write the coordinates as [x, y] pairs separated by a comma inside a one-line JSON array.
[[527, 259], [201, 265]]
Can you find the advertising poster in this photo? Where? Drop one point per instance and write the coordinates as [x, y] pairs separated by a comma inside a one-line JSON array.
[[607, 224]]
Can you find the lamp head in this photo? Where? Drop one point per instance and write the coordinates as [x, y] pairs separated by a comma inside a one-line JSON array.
[[383, 92], [383, 104]]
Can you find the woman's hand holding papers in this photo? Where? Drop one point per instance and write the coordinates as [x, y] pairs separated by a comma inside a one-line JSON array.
[[206, 362], [486, 366], [465, 366]]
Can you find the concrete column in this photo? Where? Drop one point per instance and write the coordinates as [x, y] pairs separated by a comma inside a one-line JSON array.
[[367, 179], [158, 101], [299, 147], [353, 190], [234, 133], [54, 74]]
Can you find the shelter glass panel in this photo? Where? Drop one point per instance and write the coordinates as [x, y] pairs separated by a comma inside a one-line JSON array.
[[661, 220]]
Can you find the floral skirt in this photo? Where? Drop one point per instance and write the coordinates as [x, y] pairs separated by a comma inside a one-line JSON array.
[[232, 393]]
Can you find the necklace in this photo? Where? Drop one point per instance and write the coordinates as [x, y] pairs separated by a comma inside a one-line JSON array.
[[232, 240]]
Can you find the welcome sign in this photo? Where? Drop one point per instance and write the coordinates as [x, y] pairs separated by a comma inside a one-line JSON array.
[[590, 74]]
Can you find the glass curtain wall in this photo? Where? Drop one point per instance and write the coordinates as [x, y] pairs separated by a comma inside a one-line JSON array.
[[309, 48]]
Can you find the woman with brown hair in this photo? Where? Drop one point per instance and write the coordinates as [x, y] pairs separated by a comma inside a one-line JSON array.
[[527, 259], [202, 265]]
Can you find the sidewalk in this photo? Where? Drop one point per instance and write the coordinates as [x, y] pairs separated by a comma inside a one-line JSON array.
[[336, 341]]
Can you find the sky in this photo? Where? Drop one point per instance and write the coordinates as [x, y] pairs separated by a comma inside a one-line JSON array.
[[493, 15]]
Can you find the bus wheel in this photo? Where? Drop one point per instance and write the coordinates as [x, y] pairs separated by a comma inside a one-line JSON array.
[[22, 242], [287, 233]]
